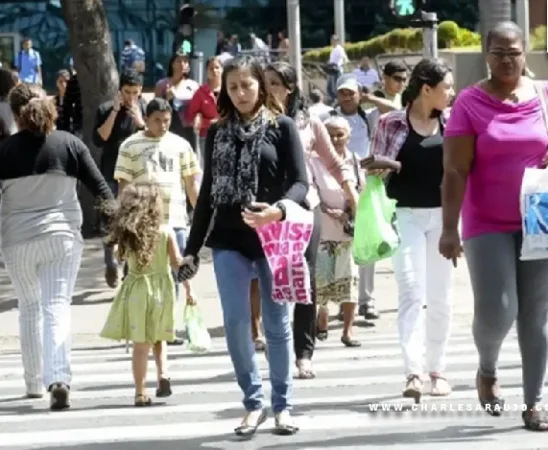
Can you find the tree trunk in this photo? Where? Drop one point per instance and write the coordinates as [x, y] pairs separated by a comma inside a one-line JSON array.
[[90, 43]]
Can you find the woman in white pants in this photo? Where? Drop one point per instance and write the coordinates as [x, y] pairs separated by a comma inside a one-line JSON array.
[[41, 240], [414, 137]]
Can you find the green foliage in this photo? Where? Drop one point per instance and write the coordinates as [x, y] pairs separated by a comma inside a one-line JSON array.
[[401, 40], [364, 19], [538, 38], [448, 32]]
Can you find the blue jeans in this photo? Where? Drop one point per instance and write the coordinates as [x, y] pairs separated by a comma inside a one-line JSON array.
[[233, 272]]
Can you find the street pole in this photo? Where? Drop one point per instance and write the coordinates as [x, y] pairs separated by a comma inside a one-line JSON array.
[[430, 34], [339, 20], [522, 19], [294, 36], [197, 69]]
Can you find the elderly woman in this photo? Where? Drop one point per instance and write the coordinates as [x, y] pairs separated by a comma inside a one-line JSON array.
[[337, 276]]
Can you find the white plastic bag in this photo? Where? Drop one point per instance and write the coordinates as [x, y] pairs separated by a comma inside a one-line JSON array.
[[534, 214]]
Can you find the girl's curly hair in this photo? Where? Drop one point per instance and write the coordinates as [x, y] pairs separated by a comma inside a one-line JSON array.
[[135, 222]]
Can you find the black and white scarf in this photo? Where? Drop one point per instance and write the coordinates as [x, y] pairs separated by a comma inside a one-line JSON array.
[[236, 177]]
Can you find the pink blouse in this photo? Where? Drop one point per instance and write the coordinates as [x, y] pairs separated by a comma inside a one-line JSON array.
[[332, 195], [316, 141]]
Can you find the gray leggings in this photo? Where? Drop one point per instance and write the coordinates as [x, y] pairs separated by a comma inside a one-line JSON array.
[[506, 289]]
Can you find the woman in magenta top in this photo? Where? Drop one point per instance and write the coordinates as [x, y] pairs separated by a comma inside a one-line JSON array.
[[496, 130], [281, 81]]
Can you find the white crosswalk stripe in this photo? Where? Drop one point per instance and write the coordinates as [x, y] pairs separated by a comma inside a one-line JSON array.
[[355, 401]]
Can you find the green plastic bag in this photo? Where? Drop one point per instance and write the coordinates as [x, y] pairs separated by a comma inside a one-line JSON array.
[[376, 235], [199, 340]]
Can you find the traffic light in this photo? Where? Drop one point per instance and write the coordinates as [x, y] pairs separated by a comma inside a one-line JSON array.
[[406, 9], [184, 36]]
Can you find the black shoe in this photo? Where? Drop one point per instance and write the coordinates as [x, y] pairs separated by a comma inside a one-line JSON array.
[[176, 341], [368, 312], [59, 396]]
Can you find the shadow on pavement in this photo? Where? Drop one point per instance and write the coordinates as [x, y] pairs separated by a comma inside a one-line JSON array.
[[79, 299], [449, 434]]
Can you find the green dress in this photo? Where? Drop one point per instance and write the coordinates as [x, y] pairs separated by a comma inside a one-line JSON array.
[[143, 310]]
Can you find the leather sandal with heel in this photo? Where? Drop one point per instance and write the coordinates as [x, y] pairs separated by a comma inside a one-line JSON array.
[[284, 425], [534, 420], [142, 400], [413, 388], [488, 395], [247, 429], [440, 386]]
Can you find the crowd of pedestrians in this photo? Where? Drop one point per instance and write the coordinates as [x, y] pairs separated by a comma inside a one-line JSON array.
[[260, 144]]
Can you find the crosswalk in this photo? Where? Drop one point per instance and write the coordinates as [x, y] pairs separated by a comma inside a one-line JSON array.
[[355, 402]]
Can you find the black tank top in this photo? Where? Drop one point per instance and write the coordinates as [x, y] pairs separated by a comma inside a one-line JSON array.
[[418, 185]]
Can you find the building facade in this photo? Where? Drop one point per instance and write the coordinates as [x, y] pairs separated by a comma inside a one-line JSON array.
[[149, 23]]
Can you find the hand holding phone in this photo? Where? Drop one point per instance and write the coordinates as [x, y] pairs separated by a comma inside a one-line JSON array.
[[188, 269]]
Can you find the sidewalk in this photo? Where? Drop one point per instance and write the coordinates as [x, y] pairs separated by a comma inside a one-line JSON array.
[[92, 299]]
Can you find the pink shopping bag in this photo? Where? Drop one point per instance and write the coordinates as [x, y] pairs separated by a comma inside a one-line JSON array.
[[284, 244]]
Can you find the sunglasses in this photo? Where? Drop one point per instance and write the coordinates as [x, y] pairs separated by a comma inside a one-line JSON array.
[[502, 54]]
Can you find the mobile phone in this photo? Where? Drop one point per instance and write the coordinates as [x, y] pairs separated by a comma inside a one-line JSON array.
[[188, 270]]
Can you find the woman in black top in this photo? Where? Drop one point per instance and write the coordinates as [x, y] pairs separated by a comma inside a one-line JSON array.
[[414, 137], [40, 235], [253, 159], [63, 119]]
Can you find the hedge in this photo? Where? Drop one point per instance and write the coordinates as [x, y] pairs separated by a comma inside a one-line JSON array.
[[402, 40], [538, 38]]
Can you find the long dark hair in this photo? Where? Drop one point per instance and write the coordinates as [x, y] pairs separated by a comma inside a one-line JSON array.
[[429, 71], [33, 109], [296, 102], [172, 60], [226, 108]]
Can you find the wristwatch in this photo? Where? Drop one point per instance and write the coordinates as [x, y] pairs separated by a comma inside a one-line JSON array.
[[281, 207]]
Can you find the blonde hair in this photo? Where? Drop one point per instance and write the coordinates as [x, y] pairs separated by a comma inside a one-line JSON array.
[[135, 222]]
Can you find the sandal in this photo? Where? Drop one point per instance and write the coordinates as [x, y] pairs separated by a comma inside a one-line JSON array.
[[260, 345], [488, 395], [247, 429], [284, 425], [440, 386], [322, 335], [413, 388], [533, 420], [164, 388], [304, 366], [142, 400], [349, 342]]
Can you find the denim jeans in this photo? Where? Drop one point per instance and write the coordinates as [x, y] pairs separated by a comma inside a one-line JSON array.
[[233, 272]]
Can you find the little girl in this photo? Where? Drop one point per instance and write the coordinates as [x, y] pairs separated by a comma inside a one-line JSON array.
[[143, 310]]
